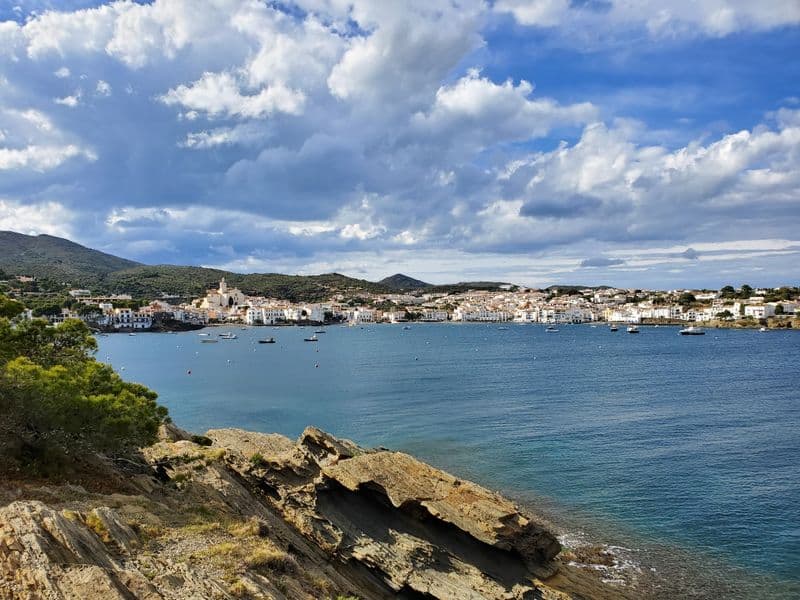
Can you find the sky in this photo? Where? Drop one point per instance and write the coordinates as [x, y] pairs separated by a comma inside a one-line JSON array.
[[639, 144]]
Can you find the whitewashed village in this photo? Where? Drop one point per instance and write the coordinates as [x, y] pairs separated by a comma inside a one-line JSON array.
[[228, 305]]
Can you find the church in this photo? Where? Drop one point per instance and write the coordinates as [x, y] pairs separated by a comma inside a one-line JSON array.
[[223, 297]]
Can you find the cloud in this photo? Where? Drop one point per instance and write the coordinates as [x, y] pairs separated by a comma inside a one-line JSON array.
[[321, 133], [601, 261], [34, 218], [103, 88], [682, 17], [40, 158], [690, 254], [220, 94], [70, 101]]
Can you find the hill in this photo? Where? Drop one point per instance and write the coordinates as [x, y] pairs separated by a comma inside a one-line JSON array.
[[399, 282], [56, 259], [65, 264], [71, 265]]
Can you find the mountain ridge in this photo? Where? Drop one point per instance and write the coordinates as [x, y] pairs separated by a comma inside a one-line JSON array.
[[65, 263]]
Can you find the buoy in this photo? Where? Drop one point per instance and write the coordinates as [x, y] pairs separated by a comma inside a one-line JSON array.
[[189, 372], [316, 365]]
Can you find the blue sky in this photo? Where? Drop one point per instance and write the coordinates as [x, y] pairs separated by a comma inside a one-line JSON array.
[[534, 141]]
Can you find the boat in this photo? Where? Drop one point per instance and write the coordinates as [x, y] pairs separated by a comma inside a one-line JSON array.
[[551, 329], [633, 329], [692, 330], [209, 341], [320, 331], [202, 334], [228, 336], [763, 329], [406, 326], [613, 328], [269, 340], [502, 328], [313, 338], [131, 334]]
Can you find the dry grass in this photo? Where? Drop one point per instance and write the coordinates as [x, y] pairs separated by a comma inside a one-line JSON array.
[[239, 589], [96, 524], [250, 528], [272, 559]]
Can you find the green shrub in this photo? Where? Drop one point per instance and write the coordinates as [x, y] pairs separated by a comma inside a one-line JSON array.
[[57, 401]]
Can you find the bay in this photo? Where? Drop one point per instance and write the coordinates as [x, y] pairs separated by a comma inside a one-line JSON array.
[[684, 449]]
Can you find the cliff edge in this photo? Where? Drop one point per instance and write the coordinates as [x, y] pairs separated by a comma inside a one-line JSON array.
[[237, 514]]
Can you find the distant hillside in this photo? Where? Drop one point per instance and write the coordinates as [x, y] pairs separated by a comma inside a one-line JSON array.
[[71, 265], [403, 282], [150, 281], [57, 259]]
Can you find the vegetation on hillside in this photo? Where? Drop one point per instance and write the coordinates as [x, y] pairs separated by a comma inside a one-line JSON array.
[[57, 402], [54, 259]]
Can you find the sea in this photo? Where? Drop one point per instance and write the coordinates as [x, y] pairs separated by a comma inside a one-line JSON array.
[[679, 454]]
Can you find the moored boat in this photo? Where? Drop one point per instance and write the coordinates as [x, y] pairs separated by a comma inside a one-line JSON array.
[[613, 328], [208, 341], [692, 330], [633, 329], [551, 329], [269, 340], [313, 338]]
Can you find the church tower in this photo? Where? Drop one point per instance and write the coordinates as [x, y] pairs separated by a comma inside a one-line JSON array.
[[223, 287]]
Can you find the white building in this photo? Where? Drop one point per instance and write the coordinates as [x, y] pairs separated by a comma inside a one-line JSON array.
[[126, 318], [759, 311], [361, 315], [433, 315], [223, 297]]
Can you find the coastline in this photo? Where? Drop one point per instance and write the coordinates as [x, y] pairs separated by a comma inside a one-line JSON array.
[[243, 514]]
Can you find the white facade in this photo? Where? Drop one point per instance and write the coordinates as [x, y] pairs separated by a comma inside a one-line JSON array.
[[126, 318], [759, 311], [361, 315]]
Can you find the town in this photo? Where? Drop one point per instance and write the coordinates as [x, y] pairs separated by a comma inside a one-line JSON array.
[[727, 307]]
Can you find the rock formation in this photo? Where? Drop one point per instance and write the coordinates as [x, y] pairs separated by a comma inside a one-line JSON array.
[[260, 516]]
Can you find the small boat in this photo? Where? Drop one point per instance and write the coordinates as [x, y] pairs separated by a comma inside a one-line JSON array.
[[202, 334], [502, 328], [320, 331], [228, 336], [692, 330], [313, 338], [267, 341], [763, 329], [613, 328], [406, 326], [551, 329], [633, 329], [209, 341], [131, 334]]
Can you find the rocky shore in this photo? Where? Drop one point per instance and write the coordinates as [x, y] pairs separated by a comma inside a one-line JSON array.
[[236, 514]]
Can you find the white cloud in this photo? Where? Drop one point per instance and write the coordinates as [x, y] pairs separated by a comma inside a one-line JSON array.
[[40, 158], [51, 218], [103, 88], [70, 101], [475, 107], [220, 94], [714, 18], [62, 73], [250, 133]]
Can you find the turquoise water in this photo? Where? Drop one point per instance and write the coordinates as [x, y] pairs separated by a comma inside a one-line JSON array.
[[687, 449]]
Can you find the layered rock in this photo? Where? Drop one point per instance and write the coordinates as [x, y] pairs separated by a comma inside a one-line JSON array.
[[261, 516]]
